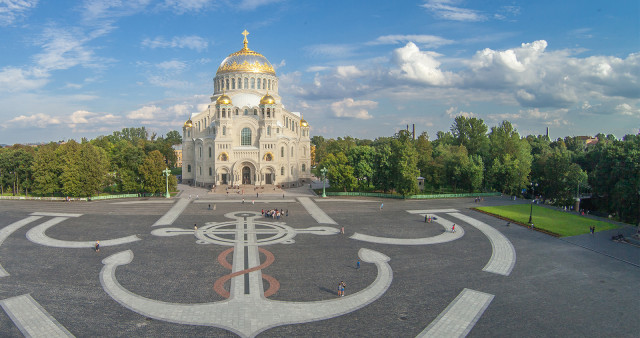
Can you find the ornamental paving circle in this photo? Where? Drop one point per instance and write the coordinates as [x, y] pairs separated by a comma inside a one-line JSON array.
[[242, 274]]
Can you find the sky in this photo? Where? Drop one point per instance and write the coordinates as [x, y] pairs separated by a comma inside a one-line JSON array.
[[366, 69]]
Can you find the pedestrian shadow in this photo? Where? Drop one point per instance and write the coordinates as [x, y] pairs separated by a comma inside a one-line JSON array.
[[333, 292]]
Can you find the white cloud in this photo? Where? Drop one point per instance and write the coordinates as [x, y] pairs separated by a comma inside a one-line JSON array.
[[109, 9], [453, 112], [427, 41], [627, 109], [444, 10], [144, 113], [17, 79], [11, 10], [174, 65], [351, 109], [315, 69], [190, 42], [348, 71], [83, 117], [36, 120], [415, 65]]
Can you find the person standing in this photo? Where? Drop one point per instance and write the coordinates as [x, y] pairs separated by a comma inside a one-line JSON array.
[[195, 227], [453, 228], [97, 246], [358, 264], [343, 286]]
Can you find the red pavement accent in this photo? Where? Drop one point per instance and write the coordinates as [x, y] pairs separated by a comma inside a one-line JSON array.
[[218, 286]]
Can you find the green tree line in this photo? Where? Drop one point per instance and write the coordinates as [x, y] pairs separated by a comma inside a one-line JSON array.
[[128, 161], [471, 157]]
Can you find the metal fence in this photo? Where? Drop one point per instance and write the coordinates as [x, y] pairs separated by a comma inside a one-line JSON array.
[[432, 196]]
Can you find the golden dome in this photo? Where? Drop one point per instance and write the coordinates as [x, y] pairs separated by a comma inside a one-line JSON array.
[[188, 124], [267, 99], [246, 60], [304, 123], [223, 99]]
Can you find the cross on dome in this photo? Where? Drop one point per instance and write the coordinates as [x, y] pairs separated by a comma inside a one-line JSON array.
[[245, 42]]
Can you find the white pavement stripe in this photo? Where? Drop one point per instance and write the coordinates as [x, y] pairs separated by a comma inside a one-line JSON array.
[[54, 214], [173, 213], [248, 200], [11, 228], [432, 211], [315, 211], [31, 318], [503, 254], [460, 316], [37, 235], [444, 237]]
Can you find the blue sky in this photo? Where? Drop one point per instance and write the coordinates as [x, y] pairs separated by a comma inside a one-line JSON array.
[[73, 69]]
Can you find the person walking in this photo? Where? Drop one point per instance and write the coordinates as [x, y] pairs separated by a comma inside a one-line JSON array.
[[97, 246], [195, 227], [453, 228], [381, 206], [343, 286], [358, 265]]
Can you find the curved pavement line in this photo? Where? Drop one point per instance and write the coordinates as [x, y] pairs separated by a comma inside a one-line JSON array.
[[37, 235], [460, 316], [10, 229], [245, 315], [444, 237], [503, 254], [31, 318]]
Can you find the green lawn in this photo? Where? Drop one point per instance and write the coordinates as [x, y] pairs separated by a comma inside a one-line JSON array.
[[558, 222]]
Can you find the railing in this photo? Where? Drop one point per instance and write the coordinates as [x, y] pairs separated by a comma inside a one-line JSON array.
[[93, 198]]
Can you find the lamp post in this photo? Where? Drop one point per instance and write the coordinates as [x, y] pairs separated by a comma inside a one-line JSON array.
[[324, 175], [533, 186], [166, 173]]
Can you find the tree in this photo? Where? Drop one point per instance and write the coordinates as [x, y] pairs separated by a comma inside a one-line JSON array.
[[84, 168], [15, 167], [424, 150], [383, 172], [340, 173], [404, 160], [173, 138], [557, 177], [510, 158], [471, 133], [46, 170], [151, 172], [361, 159]]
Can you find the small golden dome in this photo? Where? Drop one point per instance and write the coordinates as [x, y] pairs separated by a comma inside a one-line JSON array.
[[223, 99], [188, 124], [267, 99], [304, 123]]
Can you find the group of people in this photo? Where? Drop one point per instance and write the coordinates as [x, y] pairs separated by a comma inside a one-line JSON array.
[[275, 213]]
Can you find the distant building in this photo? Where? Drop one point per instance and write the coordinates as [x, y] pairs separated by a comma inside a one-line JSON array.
[[587, 140], [246, 136], [421, 183], [177, 149]]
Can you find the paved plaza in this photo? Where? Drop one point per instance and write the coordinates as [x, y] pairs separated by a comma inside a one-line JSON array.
[[214, 265]]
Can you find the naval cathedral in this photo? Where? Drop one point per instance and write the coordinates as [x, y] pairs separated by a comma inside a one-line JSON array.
[[246, 136]]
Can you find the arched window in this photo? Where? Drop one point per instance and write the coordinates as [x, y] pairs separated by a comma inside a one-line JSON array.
[[268, 112], [245, 137], [233, 83], [200, 151], [255, 111], [281, 151], [200, 170], [246, 111], [269, 83], [264, 83], [189, 168], [282, 171], [246, 82], [292, 171], [237, 111], [258, 83], [253, 83], [224, 112], [286, 122], [268, 130], [291, 151], [209, 152], [304, 168], [210, 172], [224, 130]]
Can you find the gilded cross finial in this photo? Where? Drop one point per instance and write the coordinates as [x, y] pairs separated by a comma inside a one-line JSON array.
[[245, 42]]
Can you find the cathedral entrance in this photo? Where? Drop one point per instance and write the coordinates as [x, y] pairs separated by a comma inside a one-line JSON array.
[[246, 175], [267, 178], [224, 179]]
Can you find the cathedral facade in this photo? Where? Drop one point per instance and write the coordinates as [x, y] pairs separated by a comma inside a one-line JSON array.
[[246, 136]]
